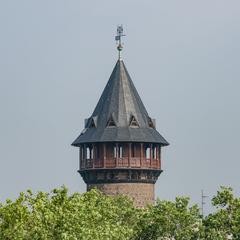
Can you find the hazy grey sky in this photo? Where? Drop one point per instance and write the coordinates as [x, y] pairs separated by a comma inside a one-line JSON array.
[[56, 57]]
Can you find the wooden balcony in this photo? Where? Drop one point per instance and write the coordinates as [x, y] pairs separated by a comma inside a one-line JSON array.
[[134, 162]]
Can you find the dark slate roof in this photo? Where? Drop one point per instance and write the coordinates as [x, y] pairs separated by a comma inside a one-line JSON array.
[[120, 115]]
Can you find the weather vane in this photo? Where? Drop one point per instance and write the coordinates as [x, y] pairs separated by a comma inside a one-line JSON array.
[[118, 39]]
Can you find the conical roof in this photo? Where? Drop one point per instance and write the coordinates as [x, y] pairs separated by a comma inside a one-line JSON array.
[[120, 115]]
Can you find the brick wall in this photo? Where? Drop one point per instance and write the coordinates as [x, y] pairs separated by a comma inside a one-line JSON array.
[[141, 193]]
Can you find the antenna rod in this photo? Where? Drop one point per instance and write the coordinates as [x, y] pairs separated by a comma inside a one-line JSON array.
[[118, 39], [203, 202]]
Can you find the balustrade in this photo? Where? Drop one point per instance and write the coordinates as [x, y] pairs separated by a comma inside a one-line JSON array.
[[125, 156], [121, 163]]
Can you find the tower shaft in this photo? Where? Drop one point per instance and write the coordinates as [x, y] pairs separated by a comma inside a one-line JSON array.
[[142, 194]]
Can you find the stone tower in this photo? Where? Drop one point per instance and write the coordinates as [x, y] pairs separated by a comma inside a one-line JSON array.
[[120, 148]]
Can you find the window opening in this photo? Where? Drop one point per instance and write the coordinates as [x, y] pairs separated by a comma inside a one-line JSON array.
[[133, 122], [114, 151], [120, 151], [91, 153], [92, 124], [111, 122], [147, 152], [154, 152], [151, 123], [88, 153]]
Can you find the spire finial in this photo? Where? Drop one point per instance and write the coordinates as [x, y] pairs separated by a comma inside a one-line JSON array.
[[118, 39]]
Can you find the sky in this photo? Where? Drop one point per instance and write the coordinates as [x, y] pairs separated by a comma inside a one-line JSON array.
[[183, 57]]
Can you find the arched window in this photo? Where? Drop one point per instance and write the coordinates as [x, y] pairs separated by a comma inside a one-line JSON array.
[[147, 152], [120, 151], [154, 152], [114, 151], [89, 152]]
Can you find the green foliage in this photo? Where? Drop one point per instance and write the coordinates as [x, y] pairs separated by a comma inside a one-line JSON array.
[[171, 220], [93, 215], [225, 222]]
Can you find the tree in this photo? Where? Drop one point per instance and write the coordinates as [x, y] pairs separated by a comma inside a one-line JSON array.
[[171, 220], [225, 222], [91, 215]]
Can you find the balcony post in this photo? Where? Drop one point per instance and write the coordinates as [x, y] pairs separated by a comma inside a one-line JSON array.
[[104, 155], [117, 154], [80, 157], [84, 155], [129, 154], [151, 153], [159, 157], [93, 155], [141, 154]]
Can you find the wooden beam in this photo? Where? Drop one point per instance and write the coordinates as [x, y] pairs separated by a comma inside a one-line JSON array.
[[129, 154], [104, 155]]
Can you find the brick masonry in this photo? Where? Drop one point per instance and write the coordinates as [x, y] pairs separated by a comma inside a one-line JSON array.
[[141, 193]]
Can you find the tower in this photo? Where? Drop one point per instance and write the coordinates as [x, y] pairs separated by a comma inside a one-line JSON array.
[[120, 148]]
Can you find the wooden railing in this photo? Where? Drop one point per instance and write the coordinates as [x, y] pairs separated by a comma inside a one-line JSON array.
[[134, 162], [123, 162], [110, 163]]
